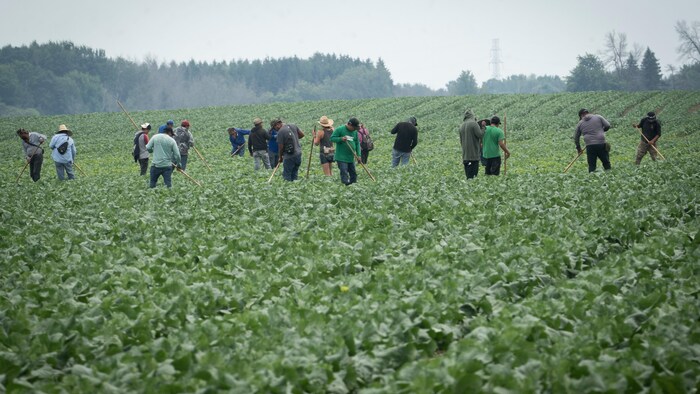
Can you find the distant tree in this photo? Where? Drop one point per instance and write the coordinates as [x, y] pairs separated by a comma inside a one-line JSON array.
[[464, 84], [616, 50], [650, 71], [689, 35], [687, 77], [631, 75], [413, 90], [588, 75]]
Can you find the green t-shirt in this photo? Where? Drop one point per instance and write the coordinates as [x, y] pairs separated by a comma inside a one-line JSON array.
[[491, 137], [342, 152]]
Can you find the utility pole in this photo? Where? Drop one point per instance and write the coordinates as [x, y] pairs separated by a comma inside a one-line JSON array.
[[496, 59]]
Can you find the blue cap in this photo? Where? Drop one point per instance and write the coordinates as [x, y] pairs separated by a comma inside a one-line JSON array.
[[161, 129], [171, 122]]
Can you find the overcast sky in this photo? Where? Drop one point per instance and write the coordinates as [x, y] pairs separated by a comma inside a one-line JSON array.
[[423, 41]]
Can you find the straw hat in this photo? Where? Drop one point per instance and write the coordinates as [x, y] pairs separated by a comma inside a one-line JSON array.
[[257, 121], [63, 129], [325, 122]]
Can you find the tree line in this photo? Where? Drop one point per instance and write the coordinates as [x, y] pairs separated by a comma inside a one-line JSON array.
[[64, 78]]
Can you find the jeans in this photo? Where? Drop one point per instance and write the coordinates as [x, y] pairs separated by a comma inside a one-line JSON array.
[[166, 172], [261, 156], [35, 167], [68, 167], [291, 168], [348, 175], [402, 156], [595, 152], [273, 158], [144, 165], [493, 166], [364, 155], [183, 161], [471, 168]]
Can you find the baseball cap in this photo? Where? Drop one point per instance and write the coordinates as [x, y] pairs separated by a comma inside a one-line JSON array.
[[354, 122]]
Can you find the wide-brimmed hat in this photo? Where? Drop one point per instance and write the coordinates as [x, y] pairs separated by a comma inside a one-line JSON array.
[[63, 129], [325, 121]]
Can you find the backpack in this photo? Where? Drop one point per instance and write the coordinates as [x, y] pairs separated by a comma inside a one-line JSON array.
[[367, 143], [137, 148], [63, 148]]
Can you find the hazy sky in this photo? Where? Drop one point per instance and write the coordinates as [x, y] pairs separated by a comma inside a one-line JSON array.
[[426, 41]]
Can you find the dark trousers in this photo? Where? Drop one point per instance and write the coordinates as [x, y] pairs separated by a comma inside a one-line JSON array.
[[166, 172], [144, 166], [364, 155], [290, 170], [493, 166], [471, 168], [595, 152], [348, 174], [35, 167]]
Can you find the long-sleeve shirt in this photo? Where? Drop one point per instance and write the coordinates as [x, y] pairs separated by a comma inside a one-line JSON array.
[[33, 145], [406, 137], [184, 140], [470, 136], [272, 145], [258, 140], [342, 151], [592, 128], [58, 140], [165, 151], [240, 139]]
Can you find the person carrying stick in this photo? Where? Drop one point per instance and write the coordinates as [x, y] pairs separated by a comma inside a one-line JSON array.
[[165, 153], [63, 152], [347, 143], [593, 128], [33, 152], [650, 131]]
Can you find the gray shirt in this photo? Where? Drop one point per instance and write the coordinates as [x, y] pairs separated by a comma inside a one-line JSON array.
[[289, 135], [143, 152], [592, 128], [470, 136], [33, 145], [184, 140]]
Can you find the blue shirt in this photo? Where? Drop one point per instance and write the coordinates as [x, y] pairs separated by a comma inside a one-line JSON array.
[[239, 140], [56, 141], [272, 145]]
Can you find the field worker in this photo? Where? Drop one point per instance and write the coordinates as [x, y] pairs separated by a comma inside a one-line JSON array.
[[185, 141], [323, 141], [651, 129], [141, 154], [272, 148], [170, 123], [165, 154], [592, 128], [33, 152], [366, 143], [493, 139], [406, 139], [257, 144], [470, 136], [288, 136], [237, 140], [345, 138], [64, 152]]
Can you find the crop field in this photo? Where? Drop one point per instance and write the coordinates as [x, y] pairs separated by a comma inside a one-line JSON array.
[[537, 281]]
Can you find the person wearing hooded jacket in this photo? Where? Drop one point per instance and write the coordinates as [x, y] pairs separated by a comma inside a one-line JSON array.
[[470, 137], [593, 127], [406, 140], [651, 129], [185, 141], [63, 159]]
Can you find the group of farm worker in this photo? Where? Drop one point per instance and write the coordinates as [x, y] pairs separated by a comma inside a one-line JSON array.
[[481, 142]]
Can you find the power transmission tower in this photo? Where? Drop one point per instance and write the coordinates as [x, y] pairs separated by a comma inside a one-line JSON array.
[[496, 59]]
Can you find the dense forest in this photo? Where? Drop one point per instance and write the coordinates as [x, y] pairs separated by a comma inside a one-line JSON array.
[[64, 78]]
